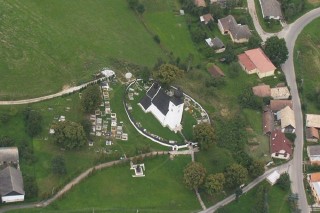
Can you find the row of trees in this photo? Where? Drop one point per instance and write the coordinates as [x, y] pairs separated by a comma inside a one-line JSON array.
[[136, 5]]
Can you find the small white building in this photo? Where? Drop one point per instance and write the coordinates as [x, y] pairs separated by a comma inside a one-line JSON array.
[[273, 177]]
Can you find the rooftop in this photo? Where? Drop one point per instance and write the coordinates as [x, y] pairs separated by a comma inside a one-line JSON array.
[[206, 18], [279, 142], [276, 105], [312, 133], [260, 60], [287, 118], [11, 181], [271, 8], [280, 93], [9, 154], [215, 71], [262, 90], [313, 150], [200, 3], [313, 120], [315, 177]]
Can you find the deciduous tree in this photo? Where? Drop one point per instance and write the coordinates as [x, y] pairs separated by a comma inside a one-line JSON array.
[[276, 49], [168, 73], [33, 122], [91, 98], [256, 168], [235, 175], [194, 175], [214, 183], [204, 135]]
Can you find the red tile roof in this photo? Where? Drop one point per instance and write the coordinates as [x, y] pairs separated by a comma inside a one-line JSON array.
[[215, 71], [315, 177], [278, 142], [260, 60], [312, 132], [267, 121], [277, 105], [200, 3], [246, 62], [262, 90]]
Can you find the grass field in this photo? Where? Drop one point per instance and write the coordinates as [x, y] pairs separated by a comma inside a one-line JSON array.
[[277, 200], [115, 190], [307, 64], [49, 45]]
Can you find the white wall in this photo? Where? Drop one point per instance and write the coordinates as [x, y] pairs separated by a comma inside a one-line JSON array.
[[174, 116], [265, 74], [14, 198]]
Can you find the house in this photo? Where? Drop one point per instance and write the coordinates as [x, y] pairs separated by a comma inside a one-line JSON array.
[[215, 71], [11, 185], [280, 146], [312, 134], [167, 109], [314, 154], [267, 121], [287, 119], [314, 181], [262, 90], [222, 3], [206, 18], [313, 120], [216, 44], [9, 156], [200, 3], [271, 9], [276, 105], [238, 33], [280, 93], [255, 61], [273, 177]]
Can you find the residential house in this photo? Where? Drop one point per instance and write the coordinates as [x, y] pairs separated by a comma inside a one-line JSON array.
[[11, 185], [267, 121], [312, 134], [262, 90], [314, 154], [313, 120], [215, 71], [287, 120], [280, 146], [216, 44], [206, 18], [314, 181], [9, 156], [238, 33], [277, 105], [280, 93], [200, 3], [255, 61], [271, 9], [167, 109]]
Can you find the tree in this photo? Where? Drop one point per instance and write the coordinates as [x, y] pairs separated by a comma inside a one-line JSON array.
[[214, 183], [69, 135], [254, 42], [133, 3], [58, 166], [284, 182], [234, 69], [140, 8], [256, 168], [276, 50], [144, 74], [235, 175], [87, 126], [30, 186], [194, 175], [204, 135], [167, 73], [4, 118], [248, 100], [229, 54], [33, 122], [6, 141], [91, 99]]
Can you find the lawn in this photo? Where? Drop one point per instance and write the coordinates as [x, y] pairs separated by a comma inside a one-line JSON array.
[[272, 26], [307, 64], [277, 201], [115, 190], [50, 45]]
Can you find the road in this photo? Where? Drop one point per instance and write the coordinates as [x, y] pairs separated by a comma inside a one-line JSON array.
[[281, 169]]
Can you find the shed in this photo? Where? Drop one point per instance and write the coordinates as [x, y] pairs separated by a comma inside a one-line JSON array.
[[273, 177]]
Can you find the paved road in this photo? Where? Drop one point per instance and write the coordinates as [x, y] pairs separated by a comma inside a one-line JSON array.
[[63, 92], [281, 169], [296, 172]]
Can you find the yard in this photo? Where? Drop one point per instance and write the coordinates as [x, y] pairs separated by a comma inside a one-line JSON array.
[[66, 42], [115, 190]]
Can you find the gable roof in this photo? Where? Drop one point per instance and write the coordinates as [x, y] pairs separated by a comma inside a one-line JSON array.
[[200, 3], [313, 120], [228, 22], [276, 105], [314, 177], [9, 154], [246, 62], [287, 118], [271, 8], [240, 32], [206, 18], [279, 142], [260, 60], [217, 43], [312, 133], [313, 150], [11, 181], [267, 121], [280, 93], [215, 71], [261, 90]]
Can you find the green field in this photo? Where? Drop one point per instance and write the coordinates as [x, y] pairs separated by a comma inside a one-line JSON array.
[[307, 64], [48, 45], [115, 190], [277, 201]]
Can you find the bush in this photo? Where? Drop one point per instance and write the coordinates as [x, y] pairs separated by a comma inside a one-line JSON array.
[[156, 38], [58, 166], [284, 182], [291, 136]]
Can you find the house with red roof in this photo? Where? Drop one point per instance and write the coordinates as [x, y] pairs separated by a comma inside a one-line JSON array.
[[280, 146], [255, 61]]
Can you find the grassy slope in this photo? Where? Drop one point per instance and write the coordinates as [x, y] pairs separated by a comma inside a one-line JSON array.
[[48, 44], [307, 62], [114, 189]]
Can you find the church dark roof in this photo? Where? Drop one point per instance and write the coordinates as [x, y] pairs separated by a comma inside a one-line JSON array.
[[159, 98]]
